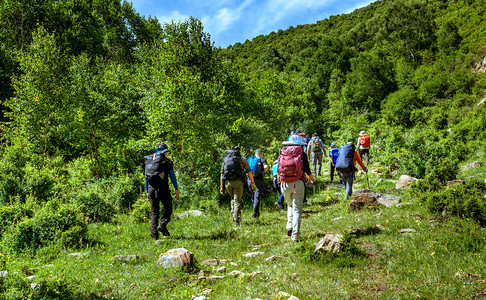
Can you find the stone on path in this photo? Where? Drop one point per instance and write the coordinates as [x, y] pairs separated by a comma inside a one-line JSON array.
[[475, 164], [404, 182], [329, 243], [188, 213], [210, 262], [407, 231], [125, 257], [251, 254], [176, 257], [370, 198]]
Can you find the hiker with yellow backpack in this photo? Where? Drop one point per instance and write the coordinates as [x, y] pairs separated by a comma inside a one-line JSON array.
[[315, 150]]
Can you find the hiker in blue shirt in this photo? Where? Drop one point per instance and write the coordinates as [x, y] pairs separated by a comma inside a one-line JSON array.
[[159, 192], [333, 155], [258, 165]]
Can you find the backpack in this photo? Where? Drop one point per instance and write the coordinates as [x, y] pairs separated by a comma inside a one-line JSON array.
[[364, 140], [344, 162], [275, 169], [154, 168], [232, 169], [256, 165], [316, 145], [291, 166]]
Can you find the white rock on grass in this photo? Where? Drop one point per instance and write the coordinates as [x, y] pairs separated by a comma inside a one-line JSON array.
[[3, 274], [176, 257], [407, 230], [330, 243], [76, 254], [283, 294], [337, 219], [236, 273], [189, 213], [293, 298], [404, 182], [251, 254]]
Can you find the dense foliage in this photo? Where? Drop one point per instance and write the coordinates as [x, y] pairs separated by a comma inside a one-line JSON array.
[[89, 87]]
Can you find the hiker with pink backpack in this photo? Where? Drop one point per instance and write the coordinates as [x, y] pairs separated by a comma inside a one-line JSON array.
[[293, 166]]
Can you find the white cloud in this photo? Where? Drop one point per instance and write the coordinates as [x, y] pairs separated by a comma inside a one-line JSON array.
[[359, 5], [175, 16], [224, 18]]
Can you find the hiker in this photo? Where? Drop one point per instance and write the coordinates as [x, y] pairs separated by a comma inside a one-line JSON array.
[[364, 146], [291, 134], [233, 177], [258, 166], [333, 155], [293, 166], [316, 148], [345, 164], [306, 140], [158, 168], [279, 204]]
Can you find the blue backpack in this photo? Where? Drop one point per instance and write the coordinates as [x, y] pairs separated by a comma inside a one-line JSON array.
[[255, 165], [275, 168], [344, 162]]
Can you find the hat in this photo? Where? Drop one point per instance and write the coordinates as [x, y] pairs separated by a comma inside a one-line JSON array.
[[333, 144], [294, 140], [361, 133]]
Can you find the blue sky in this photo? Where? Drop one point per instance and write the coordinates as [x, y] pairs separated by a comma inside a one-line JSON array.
[[232, 21]]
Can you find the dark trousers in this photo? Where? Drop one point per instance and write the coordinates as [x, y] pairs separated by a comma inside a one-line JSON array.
[[281, 196], [256, 196], [366, 154], [156, 197], [333, 168]]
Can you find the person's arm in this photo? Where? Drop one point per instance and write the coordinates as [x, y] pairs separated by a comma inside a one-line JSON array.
[[323, 148], [265, 165], [174, 182], [357, 158], [306, 168]]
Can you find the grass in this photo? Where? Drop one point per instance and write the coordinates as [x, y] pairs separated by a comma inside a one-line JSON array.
[[443, 259]]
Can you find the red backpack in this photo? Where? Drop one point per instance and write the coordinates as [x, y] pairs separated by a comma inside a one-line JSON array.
[[290, 164], [364, 140]]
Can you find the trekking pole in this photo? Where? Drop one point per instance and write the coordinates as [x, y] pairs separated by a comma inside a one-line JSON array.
[[339, 191], [368, 180]]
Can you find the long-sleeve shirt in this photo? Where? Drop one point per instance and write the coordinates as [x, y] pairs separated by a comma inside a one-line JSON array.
[[357, 158], [309, 146], [170, 169]]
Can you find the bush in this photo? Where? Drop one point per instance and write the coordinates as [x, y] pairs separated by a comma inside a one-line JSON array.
[[125, 191], [464, 201], [55, 222], [94, 208], [12, 214], [141, 210]]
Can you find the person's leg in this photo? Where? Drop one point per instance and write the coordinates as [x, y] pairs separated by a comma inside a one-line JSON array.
[[238, 193], [314, 164], [256, 197], [280, 198], [231, 192], [287, 191], [155, 210], [332, 172], [166, 200], [367, 156], [319, 161], [297, 200], [349, 185]]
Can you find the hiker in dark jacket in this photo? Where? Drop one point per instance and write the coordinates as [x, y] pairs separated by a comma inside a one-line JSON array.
[[235, 183], [159, 192], [333, 155], [315, 149], [258, 179], [293, 190], [348, 178]]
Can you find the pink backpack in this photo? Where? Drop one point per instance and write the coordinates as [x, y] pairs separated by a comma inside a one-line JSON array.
[[290, 164]]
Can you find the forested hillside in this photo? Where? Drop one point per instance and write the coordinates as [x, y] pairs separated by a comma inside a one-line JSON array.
[[88, 88]]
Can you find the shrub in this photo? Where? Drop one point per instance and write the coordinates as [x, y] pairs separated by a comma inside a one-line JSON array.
[[462, 201], [93, 207], [141, 210], [54, 222], [125, 191], [12, 214]]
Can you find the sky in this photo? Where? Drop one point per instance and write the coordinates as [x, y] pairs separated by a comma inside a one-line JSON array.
[[231, 21]]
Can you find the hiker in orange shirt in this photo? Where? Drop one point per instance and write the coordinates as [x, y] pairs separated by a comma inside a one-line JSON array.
[[346, 166]]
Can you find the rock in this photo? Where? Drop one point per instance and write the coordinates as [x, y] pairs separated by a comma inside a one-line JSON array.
[[220, 269], [256, 273], [407, 231], [204, 273], [251, 254], [367, 231], [375, 170], [379, 215], [199, 298], [233, 264], [76, 255], [404, 182], [370, 198], [210, 262], [3, 274], [283, 294], [337, 219], [235, 273], [388, 200], [481, 66], [176, 257], [217, 277], [125, 257], [30, 277], [206, 291], [34, 285], [293, 298], [189, 213], [275, 258], [475, 164], [360, 172], [455, 182], [330, 243]]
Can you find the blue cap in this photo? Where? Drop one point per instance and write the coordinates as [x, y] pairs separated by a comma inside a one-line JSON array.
[[293, 140], [333, 144]]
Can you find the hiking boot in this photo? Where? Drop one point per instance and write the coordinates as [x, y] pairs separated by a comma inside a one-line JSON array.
[[163, 229], [277, 206], [289, 232]]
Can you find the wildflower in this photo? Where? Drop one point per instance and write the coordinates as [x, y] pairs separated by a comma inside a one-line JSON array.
[[432, 253]]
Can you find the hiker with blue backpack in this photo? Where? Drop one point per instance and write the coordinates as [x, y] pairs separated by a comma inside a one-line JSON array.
[[315, 149], [258, 166], [293, 166], [333, 155], [232, 177], [279, 204], [158, 168], [345, 164]]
